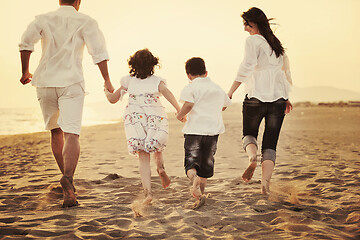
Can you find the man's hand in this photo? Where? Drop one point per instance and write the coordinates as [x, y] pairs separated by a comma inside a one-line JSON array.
[[26, 78], [108, 86]]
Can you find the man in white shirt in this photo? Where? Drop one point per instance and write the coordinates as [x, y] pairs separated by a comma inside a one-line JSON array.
[[203, 102], [59, 79]]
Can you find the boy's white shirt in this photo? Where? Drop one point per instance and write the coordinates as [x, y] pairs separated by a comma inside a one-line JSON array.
[[205, 118]]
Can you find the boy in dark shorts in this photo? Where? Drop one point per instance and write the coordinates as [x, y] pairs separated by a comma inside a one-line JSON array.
[[203, 104]]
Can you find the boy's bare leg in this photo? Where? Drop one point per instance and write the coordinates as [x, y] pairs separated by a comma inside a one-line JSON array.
[[267, 168], [165, 180], [145, 175], [251, 150], [70, 154], [203, 182], [201, 199], [195, 180]]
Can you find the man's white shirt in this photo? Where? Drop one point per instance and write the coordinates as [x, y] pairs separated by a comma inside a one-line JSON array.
[[63, 34]]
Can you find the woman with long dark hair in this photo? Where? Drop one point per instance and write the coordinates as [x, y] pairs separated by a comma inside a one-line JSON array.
[[266, 75]]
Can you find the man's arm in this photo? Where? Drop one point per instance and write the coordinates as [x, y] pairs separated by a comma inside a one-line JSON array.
[[25, 59], [104, 72]]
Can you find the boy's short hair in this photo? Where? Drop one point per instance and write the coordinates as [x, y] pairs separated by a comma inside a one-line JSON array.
[[68, 1], [195, 66]]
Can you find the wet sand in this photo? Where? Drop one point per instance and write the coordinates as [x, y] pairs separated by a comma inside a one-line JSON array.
[[315, 185]]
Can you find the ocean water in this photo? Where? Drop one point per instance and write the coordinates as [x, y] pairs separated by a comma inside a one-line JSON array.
[[29, 120]]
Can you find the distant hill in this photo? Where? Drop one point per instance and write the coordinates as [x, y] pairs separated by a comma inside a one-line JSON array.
[[323, 94]]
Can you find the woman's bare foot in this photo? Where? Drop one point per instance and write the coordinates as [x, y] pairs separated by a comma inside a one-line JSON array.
[[165, 180], [68, 192], [249, 172]]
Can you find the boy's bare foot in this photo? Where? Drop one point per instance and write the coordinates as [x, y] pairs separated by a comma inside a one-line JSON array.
[[68, 192], [249, 172], [195, 190], [165, 180], [199, 202]]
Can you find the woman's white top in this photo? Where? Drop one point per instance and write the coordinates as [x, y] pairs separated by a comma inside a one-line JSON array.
[[266, 77]]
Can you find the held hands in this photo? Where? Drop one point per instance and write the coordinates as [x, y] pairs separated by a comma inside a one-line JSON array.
[[183, 119], [107, 93], [109, 87], [289, 107], [26, 78]]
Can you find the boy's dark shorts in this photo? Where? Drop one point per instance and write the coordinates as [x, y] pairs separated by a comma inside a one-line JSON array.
[[199, 154]]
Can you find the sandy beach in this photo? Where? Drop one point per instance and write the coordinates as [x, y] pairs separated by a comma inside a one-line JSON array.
[[315, 185]]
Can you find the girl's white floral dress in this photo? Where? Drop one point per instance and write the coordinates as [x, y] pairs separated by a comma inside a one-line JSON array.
[[145, 120]]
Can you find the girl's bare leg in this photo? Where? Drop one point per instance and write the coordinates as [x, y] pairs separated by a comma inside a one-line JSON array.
[[165, 180], [145, 175], [267, 168], [251, 150]]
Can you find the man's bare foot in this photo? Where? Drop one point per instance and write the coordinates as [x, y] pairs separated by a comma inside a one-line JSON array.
[[195, 190], [165, 180], [249, 172], [68, 192]]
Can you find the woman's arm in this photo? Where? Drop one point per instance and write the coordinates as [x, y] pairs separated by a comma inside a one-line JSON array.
[[286, 68], [169, 96], [233, 88]]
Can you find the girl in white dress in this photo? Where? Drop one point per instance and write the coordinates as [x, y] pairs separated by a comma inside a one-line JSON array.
[[145, 120]]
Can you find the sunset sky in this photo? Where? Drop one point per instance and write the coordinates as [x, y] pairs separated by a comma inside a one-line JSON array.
[[321, 38]]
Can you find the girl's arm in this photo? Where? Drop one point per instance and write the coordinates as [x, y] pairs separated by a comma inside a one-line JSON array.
[[169, 96], [114, 97]]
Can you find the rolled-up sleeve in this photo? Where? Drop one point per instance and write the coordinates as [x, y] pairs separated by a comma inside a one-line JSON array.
[[31, 36], [249, 62], [186, 95], [95, 42]]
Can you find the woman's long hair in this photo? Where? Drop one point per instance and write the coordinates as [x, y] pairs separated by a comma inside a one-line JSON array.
[[258, 17], [142, 64]]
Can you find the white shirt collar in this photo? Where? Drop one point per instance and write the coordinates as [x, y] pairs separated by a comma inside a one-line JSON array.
[[66, 8], [261, 36]]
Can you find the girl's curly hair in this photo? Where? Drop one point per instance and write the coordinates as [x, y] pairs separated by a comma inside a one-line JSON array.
[[142, 64]]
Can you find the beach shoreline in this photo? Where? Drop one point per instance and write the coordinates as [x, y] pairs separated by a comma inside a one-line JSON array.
[[315, 193]]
